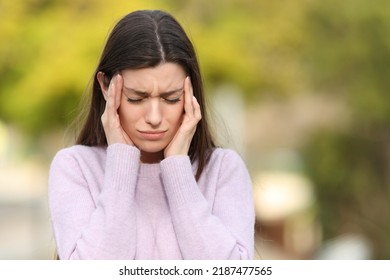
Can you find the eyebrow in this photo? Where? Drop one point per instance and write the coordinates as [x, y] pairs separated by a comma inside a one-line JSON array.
[[146, 94]]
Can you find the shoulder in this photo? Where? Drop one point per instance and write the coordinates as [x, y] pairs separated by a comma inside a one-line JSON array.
[[78, 153], [80, 150], [225, 156], [226, 169], [225, 161]]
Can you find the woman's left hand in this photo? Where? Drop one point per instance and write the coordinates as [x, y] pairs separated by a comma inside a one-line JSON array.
[[180, 143]]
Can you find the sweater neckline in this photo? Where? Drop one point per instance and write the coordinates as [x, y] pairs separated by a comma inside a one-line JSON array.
[[149, 170]]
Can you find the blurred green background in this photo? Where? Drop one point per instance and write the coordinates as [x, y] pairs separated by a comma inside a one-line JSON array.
[[299, 88]]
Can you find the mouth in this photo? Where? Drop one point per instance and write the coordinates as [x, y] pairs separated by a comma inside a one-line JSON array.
[[152, 134]]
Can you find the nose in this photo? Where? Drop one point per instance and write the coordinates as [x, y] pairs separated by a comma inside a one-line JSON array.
[[153, 113]]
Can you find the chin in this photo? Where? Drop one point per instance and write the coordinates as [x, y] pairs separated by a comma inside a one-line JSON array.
[[151, 148]]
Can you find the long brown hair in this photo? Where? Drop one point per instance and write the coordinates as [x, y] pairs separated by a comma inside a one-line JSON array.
[[143, 39]]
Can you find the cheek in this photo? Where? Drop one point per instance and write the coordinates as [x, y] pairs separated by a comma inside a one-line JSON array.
[[127, 117], [176, 115]]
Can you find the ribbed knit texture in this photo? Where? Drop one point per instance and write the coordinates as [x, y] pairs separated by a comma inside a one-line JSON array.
[[105, 204]]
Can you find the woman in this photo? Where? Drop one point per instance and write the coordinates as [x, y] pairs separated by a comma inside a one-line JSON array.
[[145, 180]]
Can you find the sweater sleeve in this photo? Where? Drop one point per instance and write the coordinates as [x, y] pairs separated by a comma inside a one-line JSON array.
[[221, 229], [103, 228]]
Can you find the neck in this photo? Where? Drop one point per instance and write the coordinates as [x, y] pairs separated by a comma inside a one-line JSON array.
[[152, 157]]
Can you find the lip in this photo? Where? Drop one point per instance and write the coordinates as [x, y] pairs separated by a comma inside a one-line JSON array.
[[152, 135]]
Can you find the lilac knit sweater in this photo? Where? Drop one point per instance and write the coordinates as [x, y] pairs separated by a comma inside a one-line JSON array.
[[105, 204]]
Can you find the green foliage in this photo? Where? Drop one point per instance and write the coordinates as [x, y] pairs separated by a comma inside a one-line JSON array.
[[350, 171], [49, 50], [48, 53], [348, 53]]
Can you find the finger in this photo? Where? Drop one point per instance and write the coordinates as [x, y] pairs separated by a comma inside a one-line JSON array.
[[110, 104], [188, 94], [197, 112], [118, 90]]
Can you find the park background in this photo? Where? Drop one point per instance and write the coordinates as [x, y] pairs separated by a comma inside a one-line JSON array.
[[299, 88]]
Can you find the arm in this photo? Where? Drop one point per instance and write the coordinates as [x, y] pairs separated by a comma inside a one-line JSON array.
[[83, 229], [221, 229]]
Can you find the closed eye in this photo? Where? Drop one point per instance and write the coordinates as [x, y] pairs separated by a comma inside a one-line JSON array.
[[172, 100], [134, 100]]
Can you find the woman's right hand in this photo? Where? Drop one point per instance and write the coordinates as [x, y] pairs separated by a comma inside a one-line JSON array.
[[110, 118]]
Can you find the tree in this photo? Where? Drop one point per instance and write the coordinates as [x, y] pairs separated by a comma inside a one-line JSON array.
[[347, 53]]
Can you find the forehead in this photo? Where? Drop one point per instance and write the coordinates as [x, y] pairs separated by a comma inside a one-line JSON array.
[[160, 78]]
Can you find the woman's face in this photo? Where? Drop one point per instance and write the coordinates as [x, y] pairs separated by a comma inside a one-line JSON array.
[[151, 108]]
